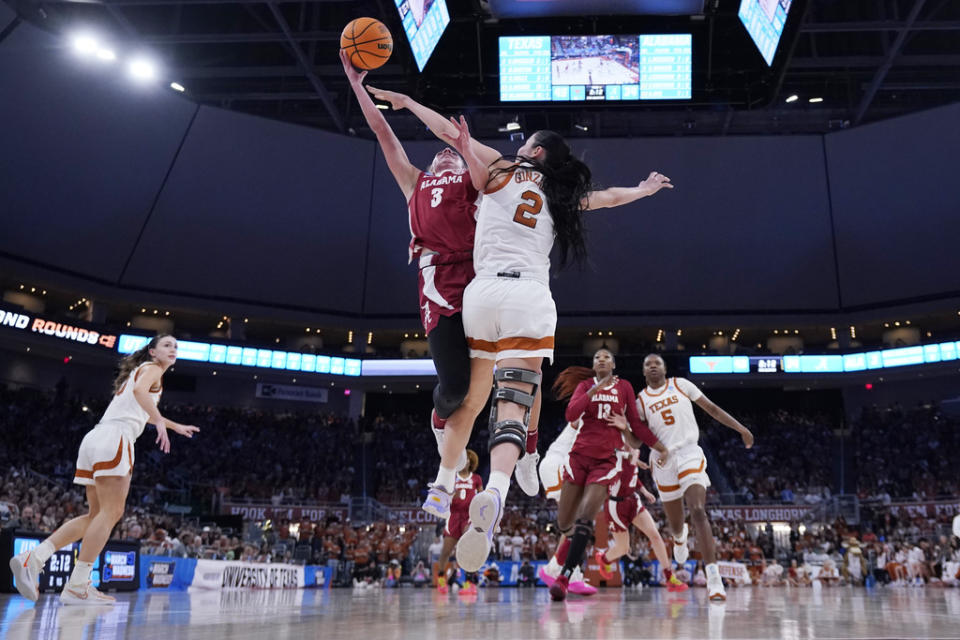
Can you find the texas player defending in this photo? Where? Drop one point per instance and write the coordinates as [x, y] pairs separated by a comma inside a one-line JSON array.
[[594, 464], [467, 485], [530, 203], [667, 406], [625, 508]]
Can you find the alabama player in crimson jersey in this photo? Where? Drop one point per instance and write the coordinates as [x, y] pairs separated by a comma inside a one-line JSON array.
[[465, 488], [625, 508], [442, 203], [667, 406], [594, 464]]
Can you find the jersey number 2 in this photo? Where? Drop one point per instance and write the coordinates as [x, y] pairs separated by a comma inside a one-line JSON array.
[[528, 209]]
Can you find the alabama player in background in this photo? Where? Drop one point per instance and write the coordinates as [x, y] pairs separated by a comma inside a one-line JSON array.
[[597, 397], [667, 406], [625, 508], [465, 488]]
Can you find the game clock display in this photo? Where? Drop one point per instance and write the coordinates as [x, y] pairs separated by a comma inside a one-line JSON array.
[[116, 568], [596, 68]]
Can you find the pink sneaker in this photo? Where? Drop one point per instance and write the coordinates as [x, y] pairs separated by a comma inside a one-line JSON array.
[[546, 577], [582, 588]]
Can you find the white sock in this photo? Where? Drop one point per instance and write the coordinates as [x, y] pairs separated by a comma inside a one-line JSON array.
[[81, 574], [713, 570], [501, 482], [42, 552], [446, 478]]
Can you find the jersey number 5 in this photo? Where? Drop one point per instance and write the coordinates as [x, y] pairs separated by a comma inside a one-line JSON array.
[[528, 209], [668, 417]]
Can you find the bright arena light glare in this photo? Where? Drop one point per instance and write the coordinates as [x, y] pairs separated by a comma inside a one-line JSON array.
[[107, 55], [142, 69], [84, 44], [176, 86]]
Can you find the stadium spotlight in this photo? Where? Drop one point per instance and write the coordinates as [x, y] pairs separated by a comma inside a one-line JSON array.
[[176, 86], [792, 98], [816, 100], [106, 55], [84, 44], [142, 69]]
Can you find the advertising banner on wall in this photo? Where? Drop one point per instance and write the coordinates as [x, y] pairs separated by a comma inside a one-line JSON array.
[[228, 574], [19, 319], [298, 393]]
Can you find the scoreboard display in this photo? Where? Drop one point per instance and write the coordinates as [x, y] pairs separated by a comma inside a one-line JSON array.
[[116, 568], [596, 68]]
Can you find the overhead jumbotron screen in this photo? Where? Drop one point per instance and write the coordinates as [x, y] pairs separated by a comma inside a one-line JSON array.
[[764, 20], [424, 21], [596, 68]]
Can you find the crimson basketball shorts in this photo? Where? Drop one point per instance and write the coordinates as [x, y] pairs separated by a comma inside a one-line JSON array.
[[456, 524], [582, 470], [621, 513], [441, 288]]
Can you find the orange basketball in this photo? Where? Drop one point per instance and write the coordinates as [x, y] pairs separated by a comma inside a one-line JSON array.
[[368, 43]]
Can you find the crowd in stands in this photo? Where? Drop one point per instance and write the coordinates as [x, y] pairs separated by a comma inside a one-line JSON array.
[[907, 453], [287, 457], [789, 461]]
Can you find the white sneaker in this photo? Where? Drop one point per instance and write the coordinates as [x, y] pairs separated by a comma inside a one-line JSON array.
[[88, 595], [26, 573], [553, 567], [438, 434], [715, 590], [526, 474], [680, 550], [474, 545]]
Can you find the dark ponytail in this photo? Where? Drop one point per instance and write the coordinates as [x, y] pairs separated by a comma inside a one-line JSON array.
[[135, 359], [566, 183]]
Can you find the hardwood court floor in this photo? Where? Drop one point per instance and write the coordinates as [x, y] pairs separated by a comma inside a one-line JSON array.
[[852, 613]]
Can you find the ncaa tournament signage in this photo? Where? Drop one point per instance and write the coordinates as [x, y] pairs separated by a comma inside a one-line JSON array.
[[291, 392], [232, 574]]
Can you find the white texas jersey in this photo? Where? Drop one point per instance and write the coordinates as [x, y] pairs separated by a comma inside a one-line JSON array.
[[668, 411], [514, 227], [124, 408]]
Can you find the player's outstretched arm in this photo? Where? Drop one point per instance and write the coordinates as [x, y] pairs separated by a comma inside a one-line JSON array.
[[479, 173], [141, 393], [403, 171], [726, 420], [437, 123], [616, 196]]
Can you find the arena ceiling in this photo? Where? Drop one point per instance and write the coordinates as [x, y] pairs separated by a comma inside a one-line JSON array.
[[867, 60]]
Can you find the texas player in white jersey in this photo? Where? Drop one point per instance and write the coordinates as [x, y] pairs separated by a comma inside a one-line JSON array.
[[104, 466], [485, 350], [667, 406]]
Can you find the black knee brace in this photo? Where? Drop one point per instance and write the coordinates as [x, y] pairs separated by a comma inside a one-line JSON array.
[[512, 431]]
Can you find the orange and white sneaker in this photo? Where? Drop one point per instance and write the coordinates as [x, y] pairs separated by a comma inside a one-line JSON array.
[[26, 574], [606, 569], [88, 595], [442, 586], [715, 589]]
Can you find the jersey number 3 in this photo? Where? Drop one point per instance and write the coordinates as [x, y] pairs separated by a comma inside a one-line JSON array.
[[528, 209], [436, 195]]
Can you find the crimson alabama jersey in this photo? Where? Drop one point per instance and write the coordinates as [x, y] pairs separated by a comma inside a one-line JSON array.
[[463, 491], [597, 438]]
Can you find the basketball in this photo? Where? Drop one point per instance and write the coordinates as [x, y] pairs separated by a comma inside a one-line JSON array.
[[368, 43]]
